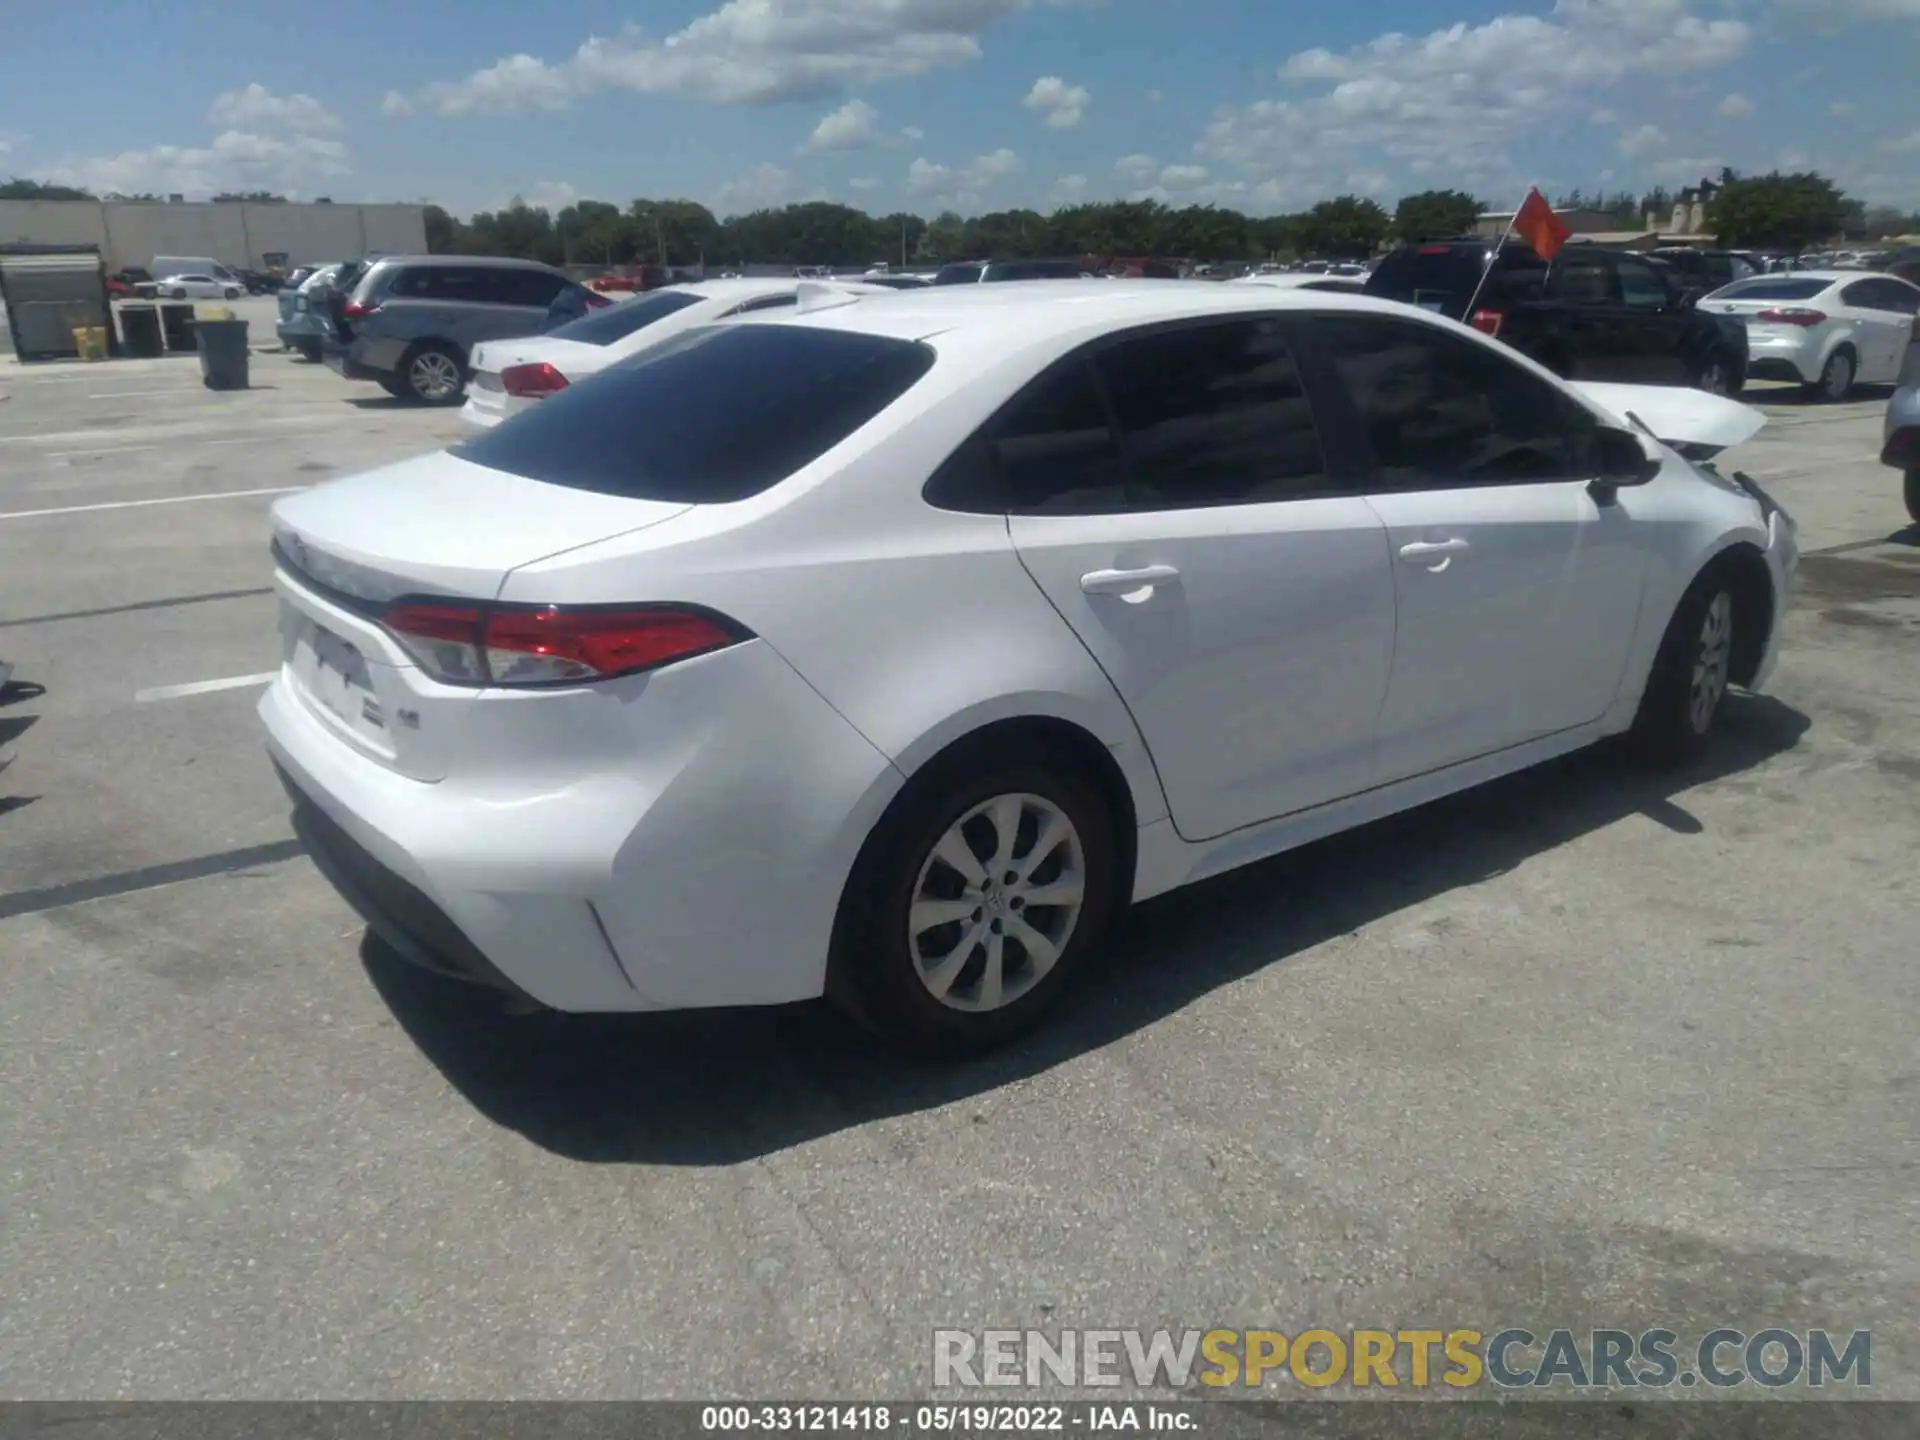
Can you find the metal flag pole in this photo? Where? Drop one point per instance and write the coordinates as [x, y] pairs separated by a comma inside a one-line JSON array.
[[1466, 317]]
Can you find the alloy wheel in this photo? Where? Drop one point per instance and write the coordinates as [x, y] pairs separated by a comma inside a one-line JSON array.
[[1713, 378], [434, 376], [1837, 379], [996, 902], [1711, 660]]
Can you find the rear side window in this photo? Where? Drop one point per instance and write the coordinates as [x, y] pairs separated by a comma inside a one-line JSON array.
[[471, 283], [1212, 415], [957, 275], [1581, 280], [1056, 450], [1641, 286], [1770, 287], [616, 322], [1441, 277], [1442, 412], [528, 287], [711, 416], [1889, 295]]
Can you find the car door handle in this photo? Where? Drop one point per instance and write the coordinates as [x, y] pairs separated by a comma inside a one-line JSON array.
[[1125, 582], [1422, 550]]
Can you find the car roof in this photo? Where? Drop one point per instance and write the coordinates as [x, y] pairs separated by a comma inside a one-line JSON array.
[[503, 262], [723, 289], [1013, 316]]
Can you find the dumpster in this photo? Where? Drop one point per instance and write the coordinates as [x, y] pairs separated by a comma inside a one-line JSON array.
[[140, 337], [223, 353], [177, 322]]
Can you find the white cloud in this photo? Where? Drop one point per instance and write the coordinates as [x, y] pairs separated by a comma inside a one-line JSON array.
[[1905, 145], [747, 51], [1686, 169], [1736, 106], [1070, 189], [551, 195], [1646, 140], [963, 186], [1154, 97], [258, 109], [1137, 169], [394, 103], [1063, 105], [761, 188], [1791, 160], [854, 126], [10, 138], [288, 145], [1459, 98], [864, 182], [1841, 107]]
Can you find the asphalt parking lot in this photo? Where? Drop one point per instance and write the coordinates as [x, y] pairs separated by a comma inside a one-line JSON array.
[[1585, 1048]]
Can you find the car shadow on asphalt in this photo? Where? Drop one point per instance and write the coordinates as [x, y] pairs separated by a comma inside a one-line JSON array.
[[380, 402], [718, 1087]]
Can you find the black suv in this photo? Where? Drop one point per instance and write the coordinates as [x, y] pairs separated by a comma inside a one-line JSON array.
[[1592, 314]]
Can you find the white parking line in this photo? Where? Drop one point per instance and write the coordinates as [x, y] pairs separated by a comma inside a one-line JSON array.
[[163, 500], [204, 687], [137, 394]]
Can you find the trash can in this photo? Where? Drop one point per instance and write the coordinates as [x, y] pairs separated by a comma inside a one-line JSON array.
[[140, 337], [90, 342], [223, 353], [177, 322]]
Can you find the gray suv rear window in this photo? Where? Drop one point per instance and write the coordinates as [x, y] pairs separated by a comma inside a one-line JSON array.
[[717, 414]]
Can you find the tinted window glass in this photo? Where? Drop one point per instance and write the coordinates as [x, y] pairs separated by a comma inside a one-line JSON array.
[[1881, 295], [958, 275], [717, 414], [1034, 270], [529, 287], [1056, 450], [469, 283], [1212, 415], [1581, 280], [1772, 288], [1442, 411], [1641, 285], [1441, 277], [616, 322]]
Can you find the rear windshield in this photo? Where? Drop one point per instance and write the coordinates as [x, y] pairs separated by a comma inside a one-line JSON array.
[[716, 414], [1772, 287], [617, 321]]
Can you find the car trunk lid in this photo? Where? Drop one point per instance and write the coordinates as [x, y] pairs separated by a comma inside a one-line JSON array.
[[438, 526]]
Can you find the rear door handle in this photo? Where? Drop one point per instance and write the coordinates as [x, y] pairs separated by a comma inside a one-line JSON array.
[[1434, 555], [1125, 582]]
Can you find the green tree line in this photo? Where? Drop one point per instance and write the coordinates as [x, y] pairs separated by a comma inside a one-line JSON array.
[[683, 232]]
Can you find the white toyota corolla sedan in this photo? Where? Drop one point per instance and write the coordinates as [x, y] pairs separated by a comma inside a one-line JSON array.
[[886, 647]]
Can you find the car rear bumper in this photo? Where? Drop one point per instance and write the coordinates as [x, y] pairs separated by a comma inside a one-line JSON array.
[[1900, 447], [1783, 562], [343, 359], [1784, 358], [664, 841]]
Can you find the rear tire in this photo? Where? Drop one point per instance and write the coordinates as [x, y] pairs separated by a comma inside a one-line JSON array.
[[964, 985], [1912, 488], [1716, 377], [1836, 378], [1690, 674], [434, 374], [310, 349]]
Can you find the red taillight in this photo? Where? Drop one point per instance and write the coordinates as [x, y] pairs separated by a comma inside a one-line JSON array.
[[359, 309], [532, 382], [1793, 315], [1436, 250], [1488, 322], [546, 645], [596, 301]]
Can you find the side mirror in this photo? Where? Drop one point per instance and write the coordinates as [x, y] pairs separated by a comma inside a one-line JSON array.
[[1622, 462]]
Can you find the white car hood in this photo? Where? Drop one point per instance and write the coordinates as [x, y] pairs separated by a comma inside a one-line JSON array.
[[1677, 415]]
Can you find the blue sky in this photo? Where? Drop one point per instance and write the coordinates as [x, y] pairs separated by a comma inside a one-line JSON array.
[[973, 104]]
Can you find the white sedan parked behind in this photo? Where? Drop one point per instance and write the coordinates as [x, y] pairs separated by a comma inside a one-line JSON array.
[[889, 650], [511, 375], [197, 287], [1827, 330]]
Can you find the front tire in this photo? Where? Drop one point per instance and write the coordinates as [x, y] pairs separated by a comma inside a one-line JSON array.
[[975, 900], [1836, 378], [179, 294], [1690, 674], [1716, 377], [434, 374], [1912, 488], [310, 349]]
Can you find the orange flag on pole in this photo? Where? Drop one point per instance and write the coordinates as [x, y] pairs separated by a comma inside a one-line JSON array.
[[1536, 224]]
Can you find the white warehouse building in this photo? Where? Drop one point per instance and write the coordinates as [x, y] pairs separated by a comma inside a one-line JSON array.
[[255, 235]]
